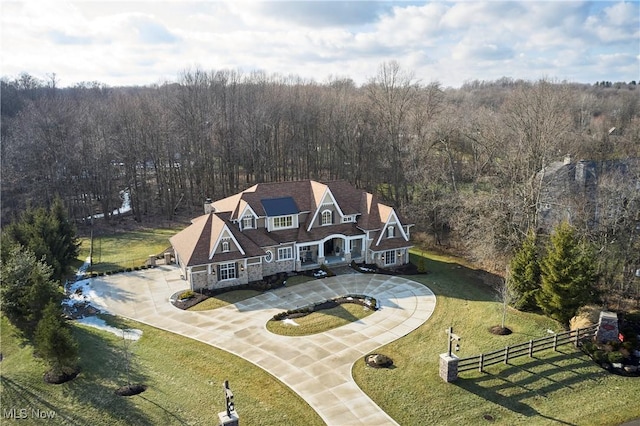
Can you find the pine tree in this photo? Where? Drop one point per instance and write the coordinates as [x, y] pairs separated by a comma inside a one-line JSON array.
[[524, 275], [567, 275], [54, 342], [48, 233], [26, 287]]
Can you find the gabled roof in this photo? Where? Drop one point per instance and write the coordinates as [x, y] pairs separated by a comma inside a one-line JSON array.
[[195, 243]]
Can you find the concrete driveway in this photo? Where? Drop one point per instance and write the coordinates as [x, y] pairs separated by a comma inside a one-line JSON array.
[[317, 367]]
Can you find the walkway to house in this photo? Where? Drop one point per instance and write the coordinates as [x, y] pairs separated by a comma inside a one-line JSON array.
[[317, 367]]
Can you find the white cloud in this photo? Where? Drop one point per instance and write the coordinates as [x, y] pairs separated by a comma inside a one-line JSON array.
[[142, 42]]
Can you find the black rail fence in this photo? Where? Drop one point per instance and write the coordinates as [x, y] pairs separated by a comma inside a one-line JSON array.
[[528, 348]]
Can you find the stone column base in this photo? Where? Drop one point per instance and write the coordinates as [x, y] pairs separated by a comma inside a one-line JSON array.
[[449, 367], [226, 420]]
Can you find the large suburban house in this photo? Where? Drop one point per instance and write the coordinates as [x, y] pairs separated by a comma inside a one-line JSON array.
[[285, 227]]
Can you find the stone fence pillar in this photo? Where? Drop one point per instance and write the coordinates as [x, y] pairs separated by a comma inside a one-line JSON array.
[[607, 327], [449, 367]]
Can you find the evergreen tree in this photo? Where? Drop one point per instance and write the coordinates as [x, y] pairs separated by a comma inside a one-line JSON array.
[[48, 234], [567, 275], [524, 275], [54, 342], [26, 287]]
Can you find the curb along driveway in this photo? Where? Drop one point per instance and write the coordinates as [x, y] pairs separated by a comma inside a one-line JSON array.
[[316, 367]]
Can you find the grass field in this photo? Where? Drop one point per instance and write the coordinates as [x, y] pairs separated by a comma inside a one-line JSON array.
[[562, 387], [125, 249], [317, 322], [184, 380], [185, 377]]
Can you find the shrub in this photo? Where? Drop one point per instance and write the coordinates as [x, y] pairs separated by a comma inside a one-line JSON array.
[[187, 294], [615, 357], [128, 269], [422, 265], [600, 356], [328, 271], [628, 345], [589, 347], [374, 303], [612, 346]]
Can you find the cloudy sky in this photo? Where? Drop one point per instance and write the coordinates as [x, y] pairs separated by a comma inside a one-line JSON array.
[[148, 42]]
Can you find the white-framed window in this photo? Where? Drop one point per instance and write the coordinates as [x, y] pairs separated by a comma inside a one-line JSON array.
[[268, 256], [327, 217], [247, 222], [282, 222], [285, 253], [348, 219], [389, 257], [391, 232], [225, 246], [227, 271]]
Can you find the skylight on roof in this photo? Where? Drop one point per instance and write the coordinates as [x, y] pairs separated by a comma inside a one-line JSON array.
[[279, 206]]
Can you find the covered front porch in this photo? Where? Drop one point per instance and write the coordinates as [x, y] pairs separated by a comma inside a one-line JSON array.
[[334, 250]]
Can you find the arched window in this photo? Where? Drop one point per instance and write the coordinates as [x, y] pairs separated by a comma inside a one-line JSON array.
[[391, 232], [225, 246], [327, 217]]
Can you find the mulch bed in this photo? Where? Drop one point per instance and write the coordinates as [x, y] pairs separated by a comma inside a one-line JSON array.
[[378, 361], [500, 331], [187, 303], [59, 378], [130, 390]]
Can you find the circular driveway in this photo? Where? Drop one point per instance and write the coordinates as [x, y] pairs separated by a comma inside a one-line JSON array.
[[317, 367]]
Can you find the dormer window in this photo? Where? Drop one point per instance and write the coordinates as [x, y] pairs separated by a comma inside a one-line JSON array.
[[247, 222], [327, 217], [225, 246], [391, 232], [282, 222]]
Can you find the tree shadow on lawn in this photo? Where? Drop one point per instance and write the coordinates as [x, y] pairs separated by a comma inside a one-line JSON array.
[[537, 378], [457, 281], [25, 398], [102, 371]]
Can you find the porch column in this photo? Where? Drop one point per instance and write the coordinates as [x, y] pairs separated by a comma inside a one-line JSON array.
[[320, 253]]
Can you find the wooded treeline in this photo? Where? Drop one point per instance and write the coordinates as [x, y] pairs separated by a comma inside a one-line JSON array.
[[460, 163]]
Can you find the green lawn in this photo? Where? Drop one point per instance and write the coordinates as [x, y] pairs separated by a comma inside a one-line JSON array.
[[553, 388], [126, 249], [317, 322], [184, 380], [224, 299], [184, 376], [235, 296]]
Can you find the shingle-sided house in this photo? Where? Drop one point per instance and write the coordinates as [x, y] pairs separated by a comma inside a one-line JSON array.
[[288, 226]]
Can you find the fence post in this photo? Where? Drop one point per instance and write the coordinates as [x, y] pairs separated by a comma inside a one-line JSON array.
[[555, 342], [577, 337], [506, 355], [481, 363], [531, 348]]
